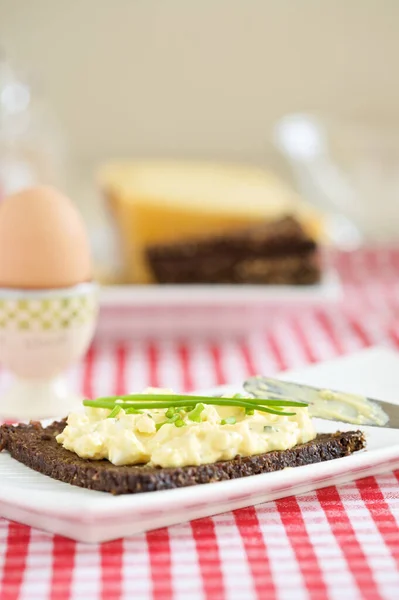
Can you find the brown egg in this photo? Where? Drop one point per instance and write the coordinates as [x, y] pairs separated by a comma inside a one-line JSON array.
[[43, 241]]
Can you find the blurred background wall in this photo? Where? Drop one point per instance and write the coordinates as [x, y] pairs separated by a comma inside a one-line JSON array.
[[202, 77], [207, 78]]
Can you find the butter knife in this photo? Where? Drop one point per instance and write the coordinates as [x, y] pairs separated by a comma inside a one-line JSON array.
[[328, 404]]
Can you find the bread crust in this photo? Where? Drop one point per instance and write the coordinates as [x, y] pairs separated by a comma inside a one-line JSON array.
[[36, 447]]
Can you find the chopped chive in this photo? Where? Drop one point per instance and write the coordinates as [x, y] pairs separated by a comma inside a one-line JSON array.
[[170, 412], [228, 421], [195, 415], [179, 423], [175, 417], [249, 411], [114, 412]]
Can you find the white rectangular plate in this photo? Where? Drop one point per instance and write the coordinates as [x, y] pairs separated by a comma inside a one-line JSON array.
[[90, 516], [205, 310], [116, 296]]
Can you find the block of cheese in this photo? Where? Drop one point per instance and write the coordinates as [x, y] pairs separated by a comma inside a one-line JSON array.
[[165, 202]]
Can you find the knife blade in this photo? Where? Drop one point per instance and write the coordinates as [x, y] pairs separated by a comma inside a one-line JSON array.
[[328, 404]]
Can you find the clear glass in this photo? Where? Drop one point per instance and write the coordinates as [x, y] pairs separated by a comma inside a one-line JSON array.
[[32, 147], [349, 169]]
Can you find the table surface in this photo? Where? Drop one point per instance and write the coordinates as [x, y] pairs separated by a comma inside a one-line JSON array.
[[338, 542]]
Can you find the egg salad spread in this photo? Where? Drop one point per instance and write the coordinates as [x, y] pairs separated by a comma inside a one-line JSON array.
[[177, 438]]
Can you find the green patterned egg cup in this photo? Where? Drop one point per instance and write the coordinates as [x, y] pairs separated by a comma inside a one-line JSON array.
[[43, 333], [46, 314]]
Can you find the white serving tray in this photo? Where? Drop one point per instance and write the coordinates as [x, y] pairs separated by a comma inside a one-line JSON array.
[[117, 296], [205, 310], [89, 516]]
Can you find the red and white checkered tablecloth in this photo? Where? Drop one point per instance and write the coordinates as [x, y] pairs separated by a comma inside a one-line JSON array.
[[339, 543]]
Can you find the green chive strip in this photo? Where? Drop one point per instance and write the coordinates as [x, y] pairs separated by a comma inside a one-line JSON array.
[[186, 400], [115, 411], [213, 402], [131, 411]]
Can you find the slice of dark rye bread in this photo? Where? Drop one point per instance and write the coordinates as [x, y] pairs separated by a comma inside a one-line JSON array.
[[278, 252], [37, 448]]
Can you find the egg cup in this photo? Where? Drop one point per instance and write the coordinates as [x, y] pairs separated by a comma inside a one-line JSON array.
[[42, 334]]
